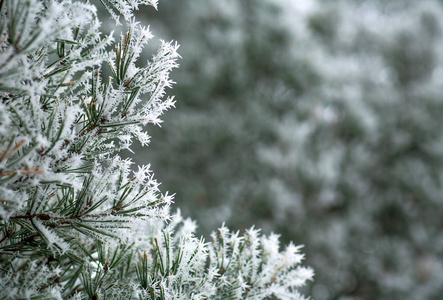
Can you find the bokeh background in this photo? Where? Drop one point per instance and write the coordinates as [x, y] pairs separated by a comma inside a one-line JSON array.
[[319, 120]]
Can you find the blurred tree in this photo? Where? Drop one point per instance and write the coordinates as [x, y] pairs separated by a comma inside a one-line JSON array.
[[321, 120]]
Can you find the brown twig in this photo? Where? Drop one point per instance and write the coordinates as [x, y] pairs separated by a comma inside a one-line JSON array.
[[46, 217]]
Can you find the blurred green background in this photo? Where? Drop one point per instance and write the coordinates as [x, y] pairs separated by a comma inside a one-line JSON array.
[[318, 120]]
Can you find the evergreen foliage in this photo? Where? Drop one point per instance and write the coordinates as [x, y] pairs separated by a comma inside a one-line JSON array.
[[76, 222]]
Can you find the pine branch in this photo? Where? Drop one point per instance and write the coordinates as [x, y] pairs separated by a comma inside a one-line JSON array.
[[75, 221]]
